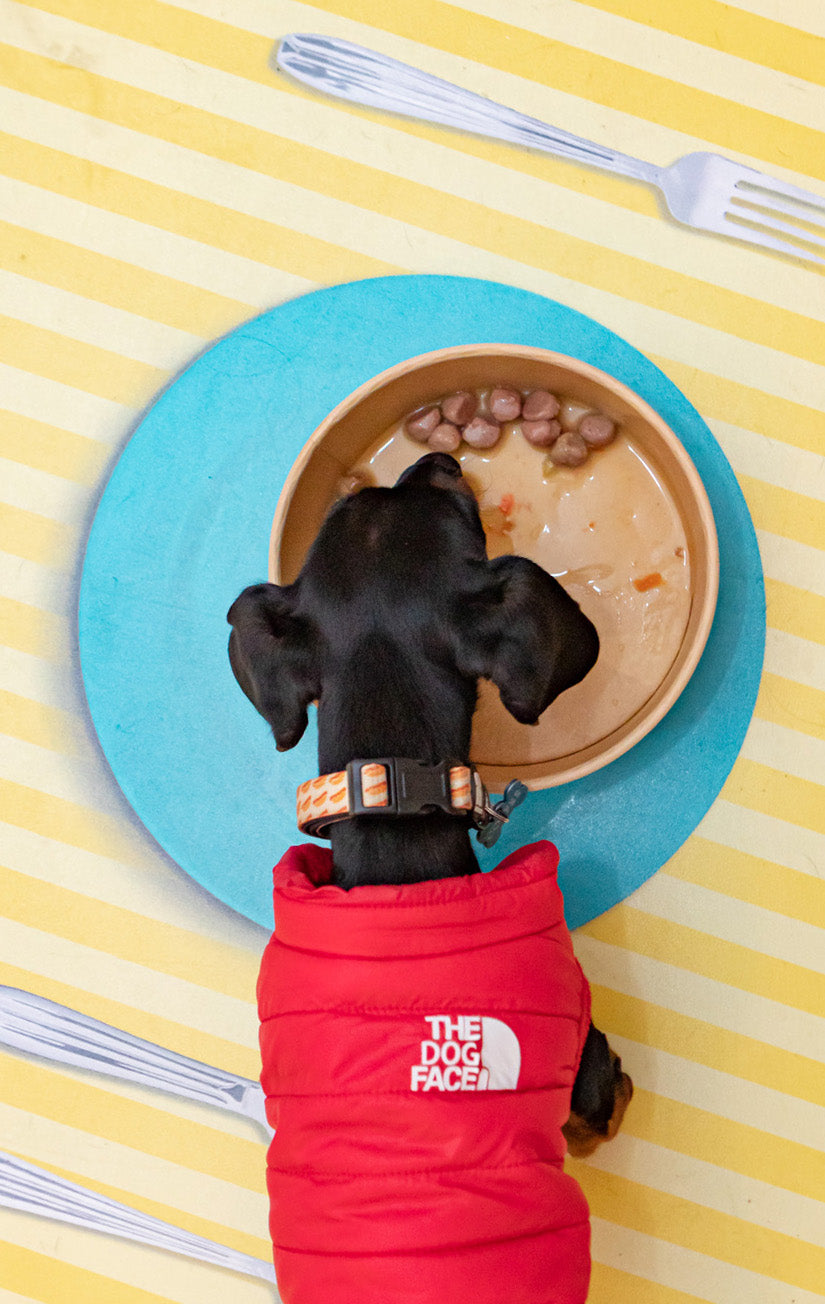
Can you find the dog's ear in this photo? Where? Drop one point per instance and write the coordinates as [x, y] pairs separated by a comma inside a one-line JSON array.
[[273, 653], [526, 634]]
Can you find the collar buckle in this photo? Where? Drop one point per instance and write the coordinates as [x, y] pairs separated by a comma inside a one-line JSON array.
[[406, 787]]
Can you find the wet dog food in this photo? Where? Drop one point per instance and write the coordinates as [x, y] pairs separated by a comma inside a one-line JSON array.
[[567, 429]]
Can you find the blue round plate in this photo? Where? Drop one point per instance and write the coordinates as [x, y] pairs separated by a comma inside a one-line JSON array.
[[184, 525]]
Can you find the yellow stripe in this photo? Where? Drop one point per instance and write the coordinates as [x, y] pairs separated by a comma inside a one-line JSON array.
[[423, 206], [198, 1045], [731, 30], [785, 797], [71, 362], [725, 962], [118, 283], [702, 1043], [34, 722], [212, 964], [750, 878], [48, 448], [196, 219], [780, 511], [39, 1090], [66, 821], [32, 630], [796, 611], [487, 41], [629, 90], [752, 409], [707, 1231], [37, 538], [795, 706], [733, 1146], [612, 1286], [51, 1280]]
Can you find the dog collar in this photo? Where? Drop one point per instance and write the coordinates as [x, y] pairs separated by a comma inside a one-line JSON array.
[[392, 786]]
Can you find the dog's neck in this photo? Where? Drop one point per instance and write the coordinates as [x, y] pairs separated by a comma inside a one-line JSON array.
[[382, 705]]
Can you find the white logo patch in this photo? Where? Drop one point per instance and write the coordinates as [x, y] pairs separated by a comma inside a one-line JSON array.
[[467, 1053]]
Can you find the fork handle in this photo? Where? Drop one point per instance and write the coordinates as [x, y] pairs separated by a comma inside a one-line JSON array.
[[29, 1189], [365, 77], [41, 1027]]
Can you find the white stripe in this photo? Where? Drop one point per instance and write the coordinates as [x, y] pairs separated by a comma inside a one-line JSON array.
[[732, 920], [50, 956], [64, 406], [380, 145], [697, 1274], [90, 322], [43, 587], [718, 1004], [642, 46], [798, 659], [792, 562], [150, 886], [713, 1187], [800, 470], [40, 681], [149, 247], [728, 1097], [403, 244], [44, 494], [132, 1171], [763, 836], [179, 1279], [786, 750]]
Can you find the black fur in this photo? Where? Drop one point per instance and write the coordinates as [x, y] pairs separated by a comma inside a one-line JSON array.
[[395, 616]]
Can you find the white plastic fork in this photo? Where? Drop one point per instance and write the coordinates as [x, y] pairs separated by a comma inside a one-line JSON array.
[[30, 1189], [702, 190], [37, 1026]]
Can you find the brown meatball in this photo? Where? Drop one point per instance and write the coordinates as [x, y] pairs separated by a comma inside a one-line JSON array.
[[421, 424], [445, 438], [504, 404], [597, 430], [482, 433], [569, 449], [459, 408], [541, 405], [540, 433]]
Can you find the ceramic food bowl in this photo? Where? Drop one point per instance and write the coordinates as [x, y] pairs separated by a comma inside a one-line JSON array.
[[630, 534]]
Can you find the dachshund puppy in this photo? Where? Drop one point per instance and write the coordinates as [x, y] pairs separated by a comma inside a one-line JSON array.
[[396, 615]]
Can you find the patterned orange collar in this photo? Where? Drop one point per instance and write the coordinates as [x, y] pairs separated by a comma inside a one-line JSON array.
[[391, 786]]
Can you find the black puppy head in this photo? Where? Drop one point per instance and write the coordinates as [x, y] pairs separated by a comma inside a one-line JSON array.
[[408, 566]]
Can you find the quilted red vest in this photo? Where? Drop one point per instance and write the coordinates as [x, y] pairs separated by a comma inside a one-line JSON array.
[[419, 1048]]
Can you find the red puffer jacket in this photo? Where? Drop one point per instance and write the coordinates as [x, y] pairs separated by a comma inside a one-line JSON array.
[[419, 1048]]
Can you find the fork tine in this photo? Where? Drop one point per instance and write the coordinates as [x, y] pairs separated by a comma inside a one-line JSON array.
[[776, 203], [743, 229], [764, 217], [769, 189]]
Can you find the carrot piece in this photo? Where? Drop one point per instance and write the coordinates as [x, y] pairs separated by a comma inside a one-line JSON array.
[[506, 504], [651, 581]]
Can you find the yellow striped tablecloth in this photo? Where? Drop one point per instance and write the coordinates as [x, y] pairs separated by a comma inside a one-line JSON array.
[[159, 184]]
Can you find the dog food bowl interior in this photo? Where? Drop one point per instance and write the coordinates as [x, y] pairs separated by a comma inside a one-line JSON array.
[[630, 535]]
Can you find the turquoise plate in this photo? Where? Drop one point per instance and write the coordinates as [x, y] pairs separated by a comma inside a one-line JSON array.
[[184, 525]]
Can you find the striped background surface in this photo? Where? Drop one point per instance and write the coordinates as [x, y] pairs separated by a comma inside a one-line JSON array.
[[158, 186]]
